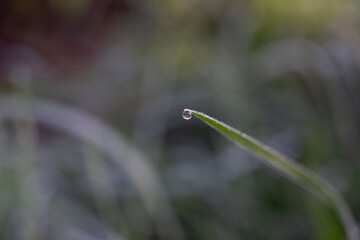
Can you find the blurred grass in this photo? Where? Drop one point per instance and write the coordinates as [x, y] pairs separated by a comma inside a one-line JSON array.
[[287, 72]]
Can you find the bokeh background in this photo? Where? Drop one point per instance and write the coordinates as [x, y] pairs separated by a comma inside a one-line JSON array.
[[93, 145]]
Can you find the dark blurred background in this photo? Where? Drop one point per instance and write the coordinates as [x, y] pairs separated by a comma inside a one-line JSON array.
[[93, 145]]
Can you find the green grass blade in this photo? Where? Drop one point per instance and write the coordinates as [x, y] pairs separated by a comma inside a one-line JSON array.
[[289, 169]]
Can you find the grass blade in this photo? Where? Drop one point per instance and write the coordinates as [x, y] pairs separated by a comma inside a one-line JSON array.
[[288, 168]]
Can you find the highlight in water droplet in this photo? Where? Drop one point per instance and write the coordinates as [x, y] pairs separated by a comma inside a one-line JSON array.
[[187, 114]]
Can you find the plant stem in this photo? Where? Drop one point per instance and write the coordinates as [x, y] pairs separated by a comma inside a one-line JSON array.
[[290, 170]]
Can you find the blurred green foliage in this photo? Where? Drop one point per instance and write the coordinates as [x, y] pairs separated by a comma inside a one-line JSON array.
[[286, 72]]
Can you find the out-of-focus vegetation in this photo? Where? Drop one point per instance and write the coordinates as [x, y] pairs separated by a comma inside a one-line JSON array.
[[93, 145]]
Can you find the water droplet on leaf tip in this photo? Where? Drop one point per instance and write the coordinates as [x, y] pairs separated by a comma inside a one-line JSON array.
[[187, 114]]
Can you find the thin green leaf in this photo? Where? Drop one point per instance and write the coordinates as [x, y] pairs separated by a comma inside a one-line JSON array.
[[289, 169]]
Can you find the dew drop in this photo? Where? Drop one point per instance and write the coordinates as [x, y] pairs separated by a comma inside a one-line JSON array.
[[187, 114]]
